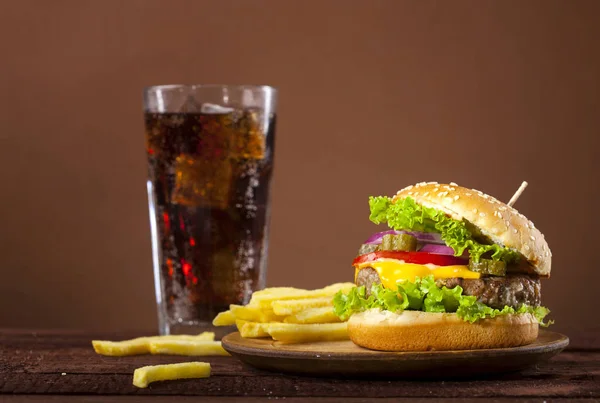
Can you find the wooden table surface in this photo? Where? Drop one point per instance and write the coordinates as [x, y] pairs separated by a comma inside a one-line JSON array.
[[57, 366]]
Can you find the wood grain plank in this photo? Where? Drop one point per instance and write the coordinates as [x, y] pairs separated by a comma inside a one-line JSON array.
[[571, 374], [229, 399], [33, 364]]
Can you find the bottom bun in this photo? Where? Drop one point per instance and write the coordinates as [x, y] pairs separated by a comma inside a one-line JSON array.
[[422, 331]]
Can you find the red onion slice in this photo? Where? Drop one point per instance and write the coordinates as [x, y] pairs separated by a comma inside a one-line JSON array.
[[442, 250], [437, 249]]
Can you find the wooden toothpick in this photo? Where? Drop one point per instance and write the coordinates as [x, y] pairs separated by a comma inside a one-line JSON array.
[[517, 194]]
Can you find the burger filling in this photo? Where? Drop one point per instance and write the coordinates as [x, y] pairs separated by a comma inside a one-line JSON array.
[[434, 263], [492, 297], [513, 290]]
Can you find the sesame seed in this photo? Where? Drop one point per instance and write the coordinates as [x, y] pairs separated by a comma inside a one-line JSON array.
[[526, 247], [475, 210], [453, 184], [515, 231], [546, 254], [409, 187], [532, 238], [501, 208], [499, 214], [456, 197], [507, 224], [422, 183], [485, 196], [410, 193], [482, 214], [468, 194], [425, 194], [431, 183], [416, 193]]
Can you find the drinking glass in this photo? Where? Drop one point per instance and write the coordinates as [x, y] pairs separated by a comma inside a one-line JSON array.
[[210, 162]]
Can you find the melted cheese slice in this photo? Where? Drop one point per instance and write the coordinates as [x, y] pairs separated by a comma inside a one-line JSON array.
[[391, 271]]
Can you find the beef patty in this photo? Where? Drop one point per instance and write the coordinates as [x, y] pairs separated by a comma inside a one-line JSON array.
[[496, 292]]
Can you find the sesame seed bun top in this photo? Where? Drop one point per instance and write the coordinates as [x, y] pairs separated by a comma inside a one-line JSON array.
[[494, 220]]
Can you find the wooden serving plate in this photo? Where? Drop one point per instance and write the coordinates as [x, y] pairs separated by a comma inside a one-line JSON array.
[[345, 359]]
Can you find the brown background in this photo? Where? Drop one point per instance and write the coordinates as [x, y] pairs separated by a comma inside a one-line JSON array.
[[375, 95]]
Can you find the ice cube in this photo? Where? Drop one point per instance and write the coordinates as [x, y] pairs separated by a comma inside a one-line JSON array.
[[215, 109], [203, 183], [249, 140]]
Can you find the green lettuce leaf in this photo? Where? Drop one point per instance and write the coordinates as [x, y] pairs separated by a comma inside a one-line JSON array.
[[440, 299], [413, 293], [539, 312], [424, 295], [471, 310], [356, 300], [405, 214]]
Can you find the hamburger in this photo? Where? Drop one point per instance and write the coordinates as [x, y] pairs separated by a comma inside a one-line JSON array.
[[457, 270]]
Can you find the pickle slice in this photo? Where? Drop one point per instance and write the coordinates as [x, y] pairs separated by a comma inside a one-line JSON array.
[[400, 242], [488, 267], [367, 248]]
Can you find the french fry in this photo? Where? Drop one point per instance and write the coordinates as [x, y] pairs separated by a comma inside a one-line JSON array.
[[278, 291], [143, 376], [141, 345], [335, 287], [187, 347], [225, 318], [251, 329], [293, 306], [254, 314], [288, 313], [302, 333], [268, 295], [121, 348], [299, 291], [314, 315], [204, 336]]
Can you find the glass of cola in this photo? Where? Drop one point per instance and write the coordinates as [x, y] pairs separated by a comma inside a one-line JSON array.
[[210, 161]]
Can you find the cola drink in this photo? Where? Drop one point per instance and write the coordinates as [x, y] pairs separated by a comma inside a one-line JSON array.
[[208, 190]]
